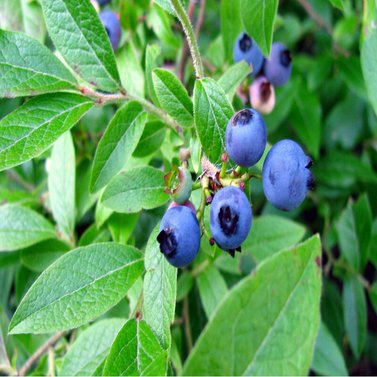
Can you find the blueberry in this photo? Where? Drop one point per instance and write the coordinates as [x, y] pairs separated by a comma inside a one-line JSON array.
[[178, 184], [230, 218], [112, 25], [247, 49], [245, 137], [103, 2], [179, 236], [286, 176], [262, 95], [278, 67], [187, 204]]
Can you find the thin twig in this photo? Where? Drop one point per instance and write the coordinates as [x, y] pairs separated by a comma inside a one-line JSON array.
[[186, 316], [39, 352], [20, 181], [199, 21]]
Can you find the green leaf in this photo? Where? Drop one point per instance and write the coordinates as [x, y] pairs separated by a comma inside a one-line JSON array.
[[166, 5], [212, 111], [159, 291], [82, 285], [233, 77], [306, 119], [80, 37], [258, 19], [355, 232], [136, 352], [117, 144], [151, 62], [173, 96], [338, 4], [328, 359], [136, 189], [355, 314], [29, 68], [151, 140], [32, 128], [91, 348], [231, 25], [275, 314], [38, 257], [212, 289], [122, 225], [61, 183], [23, 15], [21, 227], [270, 234], [373, 295]]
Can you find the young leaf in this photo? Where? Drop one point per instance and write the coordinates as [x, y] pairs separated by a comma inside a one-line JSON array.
[[151, 57], [355, 232], [28, 68], [159, 291], [270, 234], [355, 314], [233, 77], [32, 128], [258, 19], [117, 144], [82, 285], [212, 111], [283, 296], [21, 227], [136, 352], [136, 189], [80, 37], [328, 359], [212, 289], [231, 25], [91, 348], [173, 96], [61, 183]]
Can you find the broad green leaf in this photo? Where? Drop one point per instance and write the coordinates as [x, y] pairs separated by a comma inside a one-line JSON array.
[[233, 77], [159, 291], [117, 144], [151, 62], [268, 318], [151, 140], [23, 15], [21, 227], [61, 183], [231, 25], [32, 128], [82, 285], [212, 289], [328, 359], [258, 18], [91, 348], [355, 232], [368, 55], [173, 96], [80, 37], [270, 234], [39, 256], [306, 119], [355, 314], [212, 111], [122, 225], [136, 352], [28, 68], [338, 4], [136, 189], [343, 170]]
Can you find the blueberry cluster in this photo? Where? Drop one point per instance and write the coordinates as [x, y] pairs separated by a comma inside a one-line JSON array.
[[269, 72], [110, 21]]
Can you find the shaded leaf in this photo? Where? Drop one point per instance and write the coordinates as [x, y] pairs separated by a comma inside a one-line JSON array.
[[233, 77]]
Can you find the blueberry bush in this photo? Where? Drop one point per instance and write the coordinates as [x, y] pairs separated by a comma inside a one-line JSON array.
[[188, 187]]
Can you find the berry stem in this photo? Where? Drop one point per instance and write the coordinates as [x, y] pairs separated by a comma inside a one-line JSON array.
[[190, 36]]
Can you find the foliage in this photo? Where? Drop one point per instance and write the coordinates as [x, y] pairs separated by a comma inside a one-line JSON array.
[[86, 137]]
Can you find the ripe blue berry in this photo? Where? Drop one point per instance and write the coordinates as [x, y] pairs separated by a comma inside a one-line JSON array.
[[112, 25], [230, 218], [278, 67], [245, 137], [286, 176], [103, 2], [247, 49], [179, 236]]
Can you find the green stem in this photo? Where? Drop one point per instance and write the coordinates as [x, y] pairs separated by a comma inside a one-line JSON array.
[[190, 36]]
